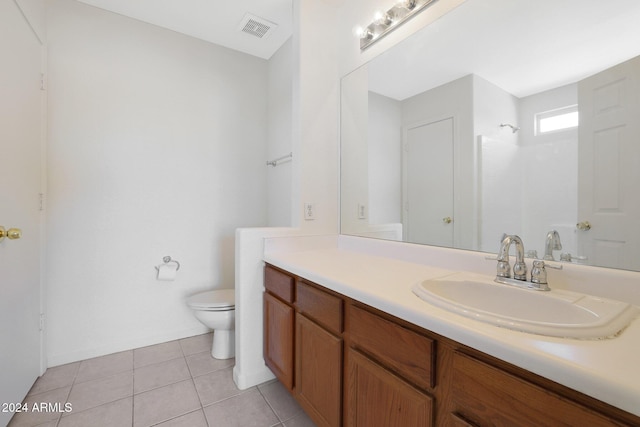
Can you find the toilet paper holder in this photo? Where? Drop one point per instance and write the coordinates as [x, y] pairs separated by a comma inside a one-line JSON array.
[[168, 260]]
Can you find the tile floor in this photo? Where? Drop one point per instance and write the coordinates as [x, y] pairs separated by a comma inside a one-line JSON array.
[[174, 384]]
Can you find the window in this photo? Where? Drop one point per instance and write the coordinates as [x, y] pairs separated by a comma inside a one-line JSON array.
[[557, 120]]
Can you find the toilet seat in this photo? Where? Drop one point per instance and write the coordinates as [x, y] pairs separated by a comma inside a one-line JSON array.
[[217, 300]]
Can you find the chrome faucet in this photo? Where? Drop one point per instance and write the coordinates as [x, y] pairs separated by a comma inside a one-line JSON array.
[[552, 244], [504, 269]]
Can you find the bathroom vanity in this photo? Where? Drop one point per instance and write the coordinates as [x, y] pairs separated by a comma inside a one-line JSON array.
[[346, 337]]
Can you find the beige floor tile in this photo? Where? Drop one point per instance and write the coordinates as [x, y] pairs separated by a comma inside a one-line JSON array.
[[160, 374], [156, 353], [216, 386], [94, 393], [245, 410], [164, 403], [114, 414], [197, 344], [56, 377], [31, 418], [192, 419], [203, 363], [53, 423], [105, 366], [300, 420], [280, 400]]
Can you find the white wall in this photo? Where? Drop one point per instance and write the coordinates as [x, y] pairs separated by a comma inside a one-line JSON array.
[[385, 159], [315, 115], [279, 143], [354, 167], [157, 144]]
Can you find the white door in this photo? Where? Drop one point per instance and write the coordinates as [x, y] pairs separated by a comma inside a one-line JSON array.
[[609, 167], [20, 153], [428, 183]]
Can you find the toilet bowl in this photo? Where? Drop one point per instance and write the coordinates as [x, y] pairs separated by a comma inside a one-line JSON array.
[[216, 310]]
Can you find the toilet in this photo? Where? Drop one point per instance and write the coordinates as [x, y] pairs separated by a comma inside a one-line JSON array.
[[216, 310]]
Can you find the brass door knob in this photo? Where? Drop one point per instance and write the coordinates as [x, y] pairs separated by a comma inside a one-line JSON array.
[[583, 226], [447, 220], [14, 233]]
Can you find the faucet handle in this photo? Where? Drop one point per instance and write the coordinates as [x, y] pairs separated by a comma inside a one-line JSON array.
[[539, 273], [503, 269], [539, 276]]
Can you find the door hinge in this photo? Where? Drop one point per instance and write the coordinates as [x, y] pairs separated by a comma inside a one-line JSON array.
[[42, 321], [43, 85], [41, 195]]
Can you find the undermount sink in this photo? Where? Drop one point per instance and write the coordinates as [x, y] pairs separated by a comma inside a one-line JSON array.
[[557, 313]]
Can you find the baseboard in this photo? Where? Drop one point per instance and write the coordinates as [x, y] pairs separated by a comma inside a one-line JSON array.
[[244, 380], [115, 347]]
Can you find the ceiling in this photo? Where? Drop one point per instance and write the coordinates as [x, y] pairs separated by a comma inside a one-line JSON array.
[[215, 21], [522, 46]]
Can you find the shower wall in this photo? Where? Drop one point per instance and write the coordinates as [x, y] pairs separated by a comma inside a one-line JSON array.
[[550, 172]]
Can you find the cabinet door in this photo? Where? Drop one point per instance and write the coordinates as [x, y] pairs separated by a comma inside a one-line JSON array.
[[318, 372], [278, 339], [377, 398]]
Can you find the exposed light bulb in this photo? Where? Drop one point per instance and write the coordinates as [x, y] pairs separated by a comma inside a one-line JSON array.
[[407, 4], [367, 34], [381, 18]]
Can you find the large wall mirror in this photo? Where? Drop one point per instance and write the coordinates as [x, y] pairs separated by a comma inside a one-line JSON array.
[[504, 116]]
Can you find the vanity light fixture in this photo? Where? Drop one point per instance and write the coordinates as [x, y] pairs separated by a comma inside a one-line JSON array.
[[385, 22]]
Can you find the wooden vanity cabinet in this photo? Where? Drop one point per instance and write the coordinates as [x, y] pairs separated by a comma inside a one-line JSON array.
[[319, 354], [377, 397], [485, 395], [389, 368], [350, 364], [279, 317], [303, 343]]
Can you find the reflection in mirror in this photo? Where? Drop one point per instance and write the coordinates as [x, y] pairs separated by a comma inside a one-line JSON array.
[[469, 129]]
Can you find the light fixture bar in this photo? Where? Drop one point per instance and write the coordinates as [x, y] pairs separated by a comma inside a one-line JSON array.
[[384, 23]]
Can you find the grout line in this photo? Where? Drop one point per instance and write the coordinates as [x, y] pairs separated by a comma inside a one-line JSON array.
[[75, 376], [269, 404]]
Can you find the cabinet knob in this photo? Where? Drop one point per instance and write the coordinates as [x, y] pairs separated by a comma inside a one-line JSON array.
[[447, 220]]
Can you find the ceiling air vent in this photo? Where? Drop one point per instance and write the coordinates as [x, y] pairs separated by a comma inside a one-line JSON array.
[[256, 26]]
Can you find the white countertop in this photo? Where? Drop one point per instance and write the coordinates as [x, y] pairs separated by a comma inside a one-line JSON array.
[[607, 369]]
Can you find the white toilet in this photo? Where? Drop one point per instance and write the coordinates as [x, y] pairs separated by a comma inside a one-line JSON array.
[[217, 310]]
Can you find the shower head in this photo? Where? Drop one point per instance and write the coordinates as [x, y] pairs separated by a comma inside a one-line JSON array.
[[514, 129]]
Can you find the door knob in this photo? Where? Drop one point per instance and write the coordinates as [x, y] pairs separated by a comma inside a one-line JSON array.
[[12, 233], [583, 226], [447, 220]]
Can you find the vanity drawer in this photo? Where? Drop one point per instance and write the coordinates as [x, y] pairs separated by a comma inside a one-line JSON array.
[[278, 283], [401, 350], [321, 306], [484, 392]]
